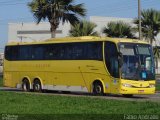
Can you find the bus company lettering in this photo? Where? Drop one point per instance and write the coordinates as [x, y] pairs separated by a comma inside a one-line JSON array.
[[42, 65]]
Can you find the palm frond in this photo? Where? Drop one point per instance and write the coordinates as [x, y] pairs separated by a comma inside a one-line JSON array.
[[150, 21], [118, 29], [156, 51], [56, 11], [84, 28]]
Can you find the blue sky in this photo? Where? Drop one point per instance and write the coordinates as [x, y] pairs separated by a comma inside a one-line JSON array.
[[17, 11]]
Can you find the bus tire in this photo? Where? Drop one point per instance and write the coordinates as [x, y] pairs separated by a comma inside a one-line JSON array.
[[37, 87], [25, 85], [98, 88]]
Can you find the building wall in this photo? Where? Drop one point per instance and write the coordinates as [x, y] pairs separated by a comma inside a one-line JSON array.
[[27, 32]]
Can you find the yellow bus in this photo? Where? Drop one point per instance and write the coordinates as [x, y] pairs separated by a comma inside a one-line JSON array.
[[81, 64]]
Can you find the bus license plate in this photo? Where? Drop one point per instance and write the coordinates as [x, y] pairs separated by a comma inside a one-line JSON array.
[[140, 91]]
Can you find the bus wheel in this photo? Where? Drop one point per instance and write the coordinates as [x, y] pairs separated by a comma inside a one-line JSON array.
[[25, 85], [98, 88], [37, 86]]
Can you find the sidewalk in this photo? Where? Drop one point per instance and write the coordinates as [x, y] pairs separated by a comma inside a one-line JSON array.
[[9, 89]]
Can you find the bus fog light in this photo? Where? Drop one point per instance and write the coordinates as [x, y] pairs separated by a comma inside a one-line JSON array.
[[126, 85]]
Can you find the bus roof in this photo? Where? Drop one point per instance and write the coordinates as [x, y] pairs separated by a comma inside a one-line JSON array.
[[79, 39]]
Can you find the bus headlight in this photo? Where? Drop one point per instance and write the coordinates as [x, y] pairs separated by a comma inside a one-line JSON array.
[[126, 85], [151, 85]]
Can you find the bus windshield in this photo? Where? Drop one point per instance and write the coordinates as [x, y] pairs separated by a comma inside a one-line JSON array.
[[138, 63]]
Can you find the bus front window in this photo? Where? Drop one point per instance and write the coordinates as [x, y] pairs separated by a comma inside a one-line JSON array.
[[138, 62]]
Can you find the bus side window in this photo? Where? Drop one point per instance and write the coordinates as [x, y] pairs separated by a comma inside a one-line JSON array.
[[25, 52], [38, 53], [95, 51], [78, 51], [54, 52], [111, 59], [48, 52], [12, 53]]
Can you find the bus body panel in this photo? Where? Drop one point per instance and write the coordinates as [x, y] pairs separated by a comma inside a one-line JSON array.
[[58, 74]]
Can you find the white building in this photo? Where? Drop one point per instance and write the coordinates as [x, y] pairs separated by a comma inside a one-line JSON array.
[[26, 32]]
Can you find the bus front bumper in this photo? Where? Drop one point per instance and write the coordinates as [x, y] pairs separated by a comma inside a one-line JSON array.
[[125, 90]]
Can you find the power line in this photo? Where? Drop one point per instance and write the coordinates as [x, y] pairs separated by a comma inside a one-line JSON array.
[[23, 18], [8, 4], [10, 1]]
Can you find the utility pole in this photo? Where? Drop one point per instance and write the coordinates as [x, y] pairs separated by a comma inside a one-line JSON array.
[[139, 18], [52, 35]]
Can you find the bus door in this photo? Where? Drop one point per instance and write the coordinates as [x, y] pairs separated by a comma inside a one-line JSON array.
[[111, 61]]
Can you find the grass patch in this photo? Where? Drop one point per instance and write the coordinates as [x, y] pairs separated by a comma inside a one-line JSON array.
[[1, 82], [29, 105], [157, 87]]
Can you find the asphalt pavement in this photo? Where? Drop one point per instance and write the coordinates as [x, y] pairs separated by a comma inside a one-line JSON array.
[[155, 97]]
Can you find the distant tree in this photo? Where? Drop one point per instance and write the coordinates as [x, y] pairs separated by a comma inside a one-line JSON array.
[[84, 28], [118, 29], [150, 24], [56, 11]]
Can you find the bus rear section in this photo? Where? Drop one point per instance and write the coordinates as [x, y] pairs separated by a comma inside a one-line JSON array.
[[62, 66]]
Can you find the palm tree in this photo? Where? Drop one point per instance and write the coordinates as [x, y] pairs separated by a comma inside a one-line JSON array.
[[84, 28], [150, 24], [156, 51], [118, 29], [56, 11]]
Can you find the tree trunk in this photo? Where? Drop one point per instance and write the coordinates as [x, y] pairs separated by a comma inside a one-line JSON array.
[[53, 33], [54, 25], [53, 30]]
